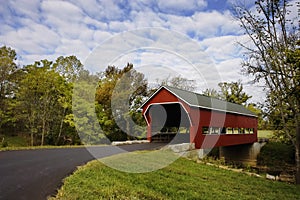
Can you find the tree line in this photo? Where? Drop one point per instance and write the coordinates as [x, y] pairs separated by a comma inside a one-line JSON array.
[[36, 100]]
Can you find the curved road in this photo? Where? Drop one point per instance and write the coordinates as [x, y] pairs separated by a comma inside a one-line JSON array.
[[37, 174]]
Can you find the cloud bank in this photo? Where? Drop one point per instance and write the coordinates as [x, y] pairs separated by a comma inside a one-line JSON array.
[[46, 29]]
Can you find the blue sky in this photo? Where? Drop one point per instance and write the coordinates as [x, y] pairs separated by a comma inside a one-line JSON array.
[[46, 29]]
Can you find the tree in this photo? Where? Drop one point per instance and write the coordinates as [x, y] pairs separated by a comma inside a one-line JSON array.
[[8, 72], [127, 97], [38, 99], [70, 69], [211, 93], [233, 92], [178, 82], [119, 93], [85, 108], [273, 57]]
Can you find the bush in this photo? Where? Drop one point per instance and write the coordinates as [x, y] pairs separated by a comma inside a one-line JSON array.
[[276, 156]]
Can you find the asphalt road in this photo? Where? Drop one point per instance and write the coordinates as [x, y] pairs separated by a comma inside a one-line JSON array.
[[37, 174]]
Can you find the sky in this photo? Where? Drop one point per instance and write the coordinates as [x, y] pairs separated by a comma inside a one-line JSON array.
[[196, 39]]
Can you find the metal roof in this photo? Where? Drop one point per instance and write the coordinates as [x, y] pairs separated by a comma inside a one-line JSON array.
[[206, 102]]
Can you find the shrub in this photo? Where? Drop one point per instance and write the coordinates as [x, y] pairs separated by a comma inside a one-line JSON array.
[[276, 156]]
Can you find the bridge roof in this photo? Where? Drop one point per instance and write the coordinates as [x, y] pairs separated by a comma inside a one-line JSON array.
[[198, 100]]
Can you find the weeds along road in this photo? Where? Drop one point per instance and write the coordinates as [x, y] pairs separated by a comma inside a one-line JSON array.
[[37, 174]]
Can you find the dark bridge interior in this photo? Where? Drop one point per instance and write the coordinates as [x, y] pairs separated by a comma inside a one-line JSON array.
[[169, 123]]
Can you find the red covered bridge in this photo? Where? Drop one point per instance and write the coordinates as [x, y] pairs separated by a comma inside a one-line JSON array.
[[177, 116]]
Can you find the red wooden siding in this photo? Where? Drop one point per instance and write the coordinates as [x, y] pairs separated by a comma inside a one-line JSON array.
[[201, 117]]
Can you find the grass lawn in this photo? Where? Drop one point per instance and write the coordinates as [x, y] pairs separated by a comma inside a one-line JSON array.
[[183, 179], [21, 143], [264, 133], [14, 141]]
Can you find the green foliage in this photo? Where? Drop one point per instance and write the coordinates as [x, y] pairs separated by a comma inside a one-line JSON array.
[[265, 133], [177, 82], [274, 59], [183, 179], [13, 141], [233, 92], [276, 155], [38, 100], [281, 137], [211, 93], [8, 79], [68, 67], [119, 94], [42, 99], [84, 118]]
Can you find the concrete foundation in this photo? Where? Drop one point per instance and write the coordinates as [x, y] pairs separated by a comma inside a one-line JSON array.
[[245, 153]]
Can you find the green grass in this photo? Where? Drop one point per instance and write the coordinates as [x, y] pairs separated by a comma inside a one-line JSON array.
[[183, 179], [264, 133], [12, 148], [13, 141], [21, 143]]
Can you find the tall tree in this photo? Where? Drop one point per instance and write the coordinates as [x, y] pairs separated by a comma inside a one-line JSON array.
[[37, 99], [273, 58], [85, 108], [127, 97], [8, 72], [70, 69], [119, 93]]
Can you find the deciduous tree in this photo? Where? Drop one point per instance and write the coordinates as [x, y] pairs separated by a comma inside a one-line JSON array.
[[8, 72], [273, 58], [38, 99], [178, 82], [233, 92], [119, 93]]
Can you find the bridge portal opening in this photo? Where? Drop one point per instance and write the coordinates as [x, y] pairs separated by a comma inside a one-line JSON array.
[[170, 123]]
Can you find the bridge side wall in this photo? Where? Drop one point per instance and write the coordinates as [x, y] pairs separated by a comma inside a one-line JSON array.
[[208, 118]]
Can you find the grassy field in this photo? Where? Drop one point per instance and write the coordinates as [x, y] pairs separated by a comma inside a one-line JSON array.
[[13, 141], [21, 143], [183, 179], [264, 133]]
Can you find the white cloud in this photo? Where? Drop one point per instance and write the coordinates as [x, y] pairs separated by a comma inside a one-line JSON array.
[[73, 47], [101, 10], [46, 29], [25, 8], [63, 10], [32, 39], [181, 6], [205, 24], [222, 48]]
